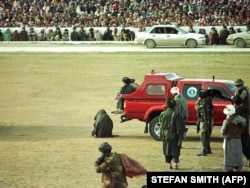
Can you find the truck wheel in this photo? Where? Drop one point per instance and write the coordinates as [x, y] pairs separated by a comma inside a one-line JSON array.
[[155, 128]]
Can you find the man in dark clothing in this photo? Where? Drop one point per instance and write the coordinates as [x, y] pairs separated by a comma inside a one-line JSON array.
[[23, 35], [223, 35], [204, 108], [172, 130], [74, 34], [1, 35], [108, 34], [242, 97], [103, 125], [128, 87], [111, 167]]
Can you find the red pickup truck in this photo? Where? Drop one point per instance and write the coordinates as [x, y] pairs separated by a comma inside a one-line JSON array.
[[146, 103]]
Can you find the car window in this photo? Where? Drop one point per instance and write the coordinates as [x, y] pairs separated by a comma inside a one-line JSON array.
[[190, 91], [218, 92], [215, 94], [171, 30], [158, 30], [156, 89]]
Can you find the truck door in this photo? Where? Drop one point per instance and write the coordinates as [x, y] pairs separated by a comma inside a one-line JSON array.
[[191, 93], [221, 98]]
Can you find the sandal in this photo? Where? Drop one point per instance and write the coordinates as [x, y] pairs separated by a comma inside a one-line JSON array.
[[170, 166], [248, 164]]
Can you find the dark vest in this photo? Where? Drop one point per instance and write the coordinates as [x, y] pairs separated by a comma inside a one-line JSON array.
[[232, 130], [246, 101]]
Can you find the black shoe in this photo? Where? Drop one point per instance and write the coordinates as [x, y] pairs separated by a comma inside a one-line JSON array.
[[209, 152], [201, 154], [176, 167]]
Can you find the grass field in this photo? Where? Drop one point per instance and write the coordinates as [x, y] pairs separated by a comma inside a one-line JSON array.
[[48, 102]]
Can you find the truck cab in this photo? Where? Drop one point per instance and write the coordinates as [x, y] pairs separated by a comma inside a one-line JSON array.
[[147, 102]]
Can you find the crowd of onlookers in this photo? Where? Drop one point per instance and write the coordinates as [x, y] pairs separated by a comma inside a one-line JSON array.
[[81, 14]]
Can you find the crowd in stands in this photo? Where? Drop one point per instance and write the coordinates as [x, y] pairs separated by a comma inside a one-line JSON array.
[[81, 14]]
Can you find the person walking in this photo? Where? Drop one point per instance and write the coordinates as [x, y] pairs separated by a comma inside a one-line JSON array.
[[231, 130], [172, 130], [204, 109], [110, 165]]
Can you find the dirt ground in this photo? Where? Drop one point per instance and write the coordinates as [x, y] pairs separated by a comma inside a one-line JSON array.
[[47, 108]]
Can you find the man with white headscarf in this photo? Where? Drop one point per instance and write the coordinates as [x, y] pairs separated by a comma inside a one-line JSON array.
[[181, 105], [231, 130]]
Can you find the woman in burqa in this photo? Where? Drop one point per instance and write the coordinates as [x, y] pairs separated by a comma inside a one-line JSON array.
[[103, 125]]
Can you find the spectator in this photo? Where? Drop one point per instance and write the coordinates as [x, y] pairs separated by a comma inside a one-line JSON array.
[[98, 35], [223, 35], [7, 35], [23, 35], [231, 130], [91, 35], [231, 30], [108, 34], [124, 35], [82, 36], [191, 29], [65, 36], [1, 35], [42, 36], [32, 35], [116, 34], [57, 35], [49, 35], [238, 30], [203, 32], [214, 36], [74, 34], [129, 14], [15, 36]]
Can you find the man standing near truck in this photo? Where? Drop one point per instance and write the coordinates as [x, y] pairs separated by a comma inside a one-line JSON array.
[[242, 92], [204, 108], [181, 105]]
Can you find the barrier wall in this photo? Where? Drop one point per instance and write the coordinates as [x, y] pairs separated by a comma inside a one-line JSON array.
[[102, 29]]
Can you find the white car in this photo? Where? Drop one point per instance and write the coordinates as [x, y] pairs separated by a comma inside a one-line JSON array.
[[240, 40], [169, 35]]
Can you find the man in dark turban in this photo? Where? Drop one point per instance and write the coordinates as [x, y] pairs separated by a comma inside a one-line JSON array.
[[110, 165], [128, 87]]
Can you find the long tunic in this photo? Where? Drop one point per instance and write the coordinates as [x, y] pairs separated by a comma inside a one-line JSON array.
[[231, 130], [171, 147], [103, 125]]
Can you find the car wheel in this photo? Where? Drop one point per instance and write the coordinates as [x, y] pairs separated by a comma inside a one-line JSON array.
[[155, 128], [240, 43], [191, 43], [150, 43]]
